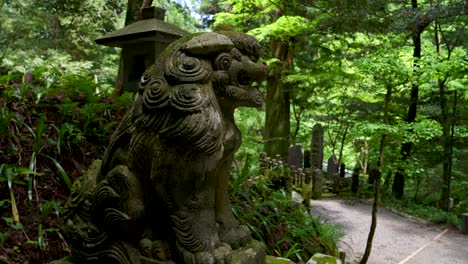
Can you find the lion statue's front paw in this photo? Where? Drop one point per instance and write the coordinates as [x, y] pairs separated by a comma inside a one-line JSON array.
[[237, 237], [218, 255]]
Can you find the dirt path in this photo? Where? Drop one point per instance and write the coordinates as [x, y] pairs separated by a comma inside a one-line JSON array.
[[397, 239]]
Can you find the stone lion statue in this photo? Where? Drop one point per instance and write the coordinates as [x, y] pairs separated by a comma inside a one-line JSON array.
[[160, 194]]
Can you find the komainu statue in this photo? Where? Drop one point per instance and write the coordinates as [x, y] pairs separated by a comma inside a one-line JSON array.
[[160, 194]]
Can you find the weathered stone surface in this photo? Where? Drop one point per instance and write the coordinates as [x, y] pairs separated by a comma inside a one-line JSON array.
[[160, 194], [319, 258], [465, 223], [332, 167], [342, 170], [277, 260], [252, 253], [295, 157], [316, 148], [316, 183]]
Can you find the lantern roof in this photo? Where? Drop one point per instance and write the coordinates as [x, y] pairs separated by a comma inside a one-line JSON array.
[[151, 28]]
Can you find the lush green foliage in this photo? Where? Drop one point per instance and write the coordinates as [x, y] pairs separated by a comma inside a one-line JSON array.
[[345, 60], [50, 131], [285, 228], [55, 116]]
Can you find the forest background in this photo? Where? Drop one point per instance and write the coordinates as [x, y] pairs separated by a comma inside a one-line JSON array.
[[386, 79]]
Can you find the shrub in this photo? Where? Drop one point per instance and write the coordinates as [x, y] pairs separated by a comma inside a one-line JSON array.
[[285, 228]]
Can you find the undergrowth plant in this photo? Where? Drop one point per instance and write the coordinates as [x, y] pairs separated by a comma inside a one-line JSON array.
[[50, 130], [284, 227]]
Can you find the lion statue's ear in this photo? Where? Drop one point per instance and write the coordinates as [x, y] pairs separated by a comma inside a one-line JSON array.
[[208, 43]]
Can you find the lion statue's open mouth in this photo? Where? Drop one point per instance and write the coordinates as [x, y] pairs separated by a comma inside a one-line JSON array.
[[161, 192]]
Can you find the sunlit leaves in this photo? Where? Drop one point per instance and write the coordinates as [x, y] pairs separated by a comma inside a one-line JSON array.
[[283, 28]]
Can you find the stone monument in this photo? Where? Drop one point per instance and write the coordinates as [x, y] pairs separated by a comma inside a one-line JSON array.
[[342, 170], [332, 167], [316, 147], [160, 193], [295, 157]]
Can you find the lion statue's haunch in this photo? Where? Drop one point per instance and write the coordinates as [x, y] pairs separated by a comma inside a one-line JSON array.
[[160, 195]]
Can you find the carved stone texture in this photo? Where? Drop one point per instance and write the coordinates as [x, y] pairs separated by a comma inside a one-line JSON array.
[[316, 147], [295, 157], [332, 167], [160, 195]]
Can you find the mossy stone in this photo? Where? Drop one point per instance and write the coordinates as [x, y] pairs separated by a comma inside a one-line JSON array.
[[277, 260], [252, 253], [319, 258]]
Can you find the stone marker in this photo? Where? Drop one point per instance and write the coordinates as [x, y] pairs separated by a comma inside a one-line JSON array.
[[161, 192], [465, 223], [332, 167], [355, 178], [316, 183], [295, 157], [342, 170], [316, 147]]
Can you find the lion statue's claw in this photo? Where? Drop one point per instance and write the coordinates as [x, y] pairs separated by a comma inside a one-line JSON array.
[[237, 237]]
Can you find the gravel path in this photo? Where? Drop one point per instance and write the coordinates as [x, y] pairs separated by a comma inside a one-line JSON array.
[[397, 239]]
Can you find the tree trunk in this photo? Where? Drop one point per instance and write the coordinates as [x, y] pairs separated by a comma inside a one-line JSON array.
[[277, 123], [446, 135], [343, 139], [399, 180], [375, 205], [133, 14]]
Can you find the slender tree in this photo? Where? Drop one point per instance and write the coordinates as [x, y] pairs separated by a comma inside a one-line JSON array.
[[422, 21], [376, 202]]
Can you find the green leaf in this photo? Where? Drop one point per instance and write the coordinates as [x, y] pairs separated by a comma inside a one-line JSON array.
[[62, 172]]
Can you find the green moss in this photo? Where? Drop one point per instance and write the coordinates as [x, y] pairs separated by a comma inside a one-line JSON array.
[[277, 260], [325, 259]]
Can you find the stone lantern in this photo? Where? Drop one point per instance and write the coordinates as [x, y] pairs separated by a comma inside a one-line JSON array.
[[141, 43]]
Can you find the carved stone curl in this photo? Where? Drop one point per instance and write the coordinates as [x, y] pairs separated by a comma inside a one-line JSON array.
[[160, 194]]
